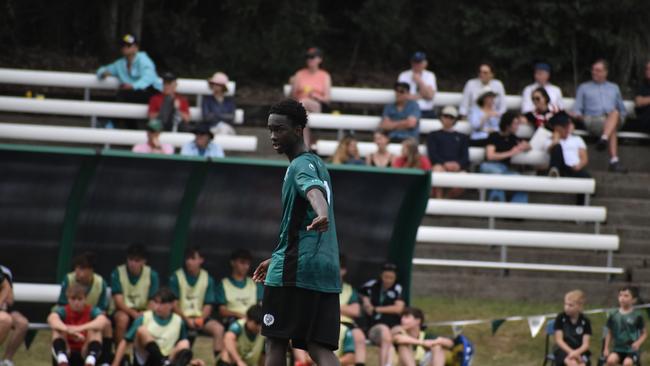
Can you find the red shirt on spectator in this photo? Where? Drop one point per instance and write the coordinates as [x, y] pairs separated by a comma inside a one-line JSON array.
[[156, 101], [400, 162]]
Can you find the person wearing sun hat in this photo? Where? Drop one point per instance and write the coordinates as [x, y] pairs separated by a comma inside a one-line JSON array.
[[153, 144], [218, 110], [202, 144]]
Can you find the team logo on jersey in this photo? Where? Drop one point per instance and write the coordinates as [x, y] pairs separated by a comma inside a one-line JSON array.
[[579, 330], [268, 320], [311, 166], [391, 294]]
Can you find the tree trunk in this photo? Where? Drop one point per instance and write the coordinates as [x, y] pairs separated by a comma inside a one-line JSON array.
[[109, 21], [136, 18]]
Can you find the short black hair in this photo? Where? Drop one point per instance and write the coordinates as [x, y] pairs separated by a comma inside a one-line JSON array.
[[165, 295], [560, 118], [416, 312], [401, 85], [507, 119], [633, 290], [84, 260], [241, 254], [254, 313], [291, 109], [389, 266], [191, 251], [601, 61], [136, 251]]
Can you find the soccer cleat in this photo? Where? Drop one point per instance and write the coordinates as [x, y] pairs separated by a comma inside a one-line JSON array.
[[601, 145], [62, 359], [90, 361]]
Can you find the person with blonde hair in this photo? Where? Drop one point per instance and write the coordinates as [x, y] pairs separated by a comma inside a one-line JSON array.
[[572, 332], [347, 152], [411, 157]]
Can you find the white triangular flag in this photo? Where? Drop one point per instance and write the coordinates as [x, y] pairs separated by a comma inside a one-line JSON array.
[[536, 323], [457, 329]]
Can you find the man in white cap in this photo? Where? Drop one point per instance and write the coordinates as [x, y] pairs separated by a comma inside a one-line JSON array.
[[218, 109]]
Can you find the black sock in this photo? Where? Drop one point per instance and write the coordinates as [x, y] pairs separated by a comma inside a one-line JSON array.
[[94, 349], [359, 364], [58, 345], [106, 353], [154, 353], [217, 354]]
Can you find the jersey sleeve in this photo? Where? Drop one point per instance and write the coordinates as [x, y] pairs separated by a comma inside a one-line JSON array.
[[354, 298], [183, 334], [219, 294], [130, 334], [209, 292], [154, 284], [95, 312], [348, 342], [260, 292], [610, 321], [116, 286], [173, 285], [557, 325], [640, 323], [60, 311], [587, 329], [235, 328], [102, 302], [306, 178], [63, 300]]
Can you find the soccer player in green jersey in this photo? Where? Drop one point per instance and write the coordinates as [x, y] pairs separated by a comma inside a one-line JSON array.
[[301, 297]]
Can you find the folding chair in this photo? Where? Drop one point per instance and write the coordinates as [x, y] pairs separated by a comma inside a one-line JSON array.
[[548, 352]]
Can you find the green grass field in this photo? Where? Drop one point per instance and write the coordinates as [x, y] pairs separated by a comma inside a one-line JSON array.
[[512, 344]]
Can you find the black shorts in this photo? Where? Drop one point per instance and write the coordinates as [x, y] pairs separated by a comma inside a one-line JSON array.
[[560, 355], [302, 316], [633, 355], [349, 325]]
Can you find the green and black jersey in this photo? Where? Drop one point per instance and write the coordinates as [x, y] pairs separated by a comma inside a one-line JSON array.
[[305, 259]]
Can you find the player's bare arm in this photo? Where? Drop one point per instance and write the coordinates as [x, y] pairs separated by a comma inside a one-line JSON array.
[[319, 204]]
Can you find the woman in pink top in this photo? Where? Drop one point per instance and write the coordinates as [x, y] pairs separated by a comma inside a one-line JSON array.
[[411, 157], [153, 145], [311, 85]]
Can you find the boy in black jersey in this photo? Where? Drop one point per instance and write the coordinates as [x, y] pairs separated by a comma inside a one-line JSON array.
[[572, 332]]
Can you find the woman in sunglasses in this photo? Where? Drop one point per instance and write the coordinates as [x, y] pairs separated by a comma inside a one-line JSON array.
[[544, 109]]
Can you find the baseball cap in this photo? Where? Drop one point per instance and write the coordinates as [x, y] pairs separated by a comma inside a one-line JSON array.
[[450, 110], [128, 40], [168, 76], [203, 129], [419, 56], [154, 125], [401, 85], [313, 52], [543, 66], [389, 266]]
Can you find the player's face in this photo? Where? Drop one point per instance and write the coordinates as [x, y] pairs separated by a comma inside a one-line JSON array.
[[241, 266], [284, 135], [625, 298], [163, 309], [84, 275], [408, 321], [388, 278], [253, 327], [193, 264], [77, 303], [571, 307], [135, 265]]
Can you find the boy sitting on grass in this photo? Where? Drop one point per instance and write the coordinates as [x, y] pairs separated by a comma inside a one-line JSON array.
[[415, 347], [243, 343], [572, 332], [76, 328], [626, 330]]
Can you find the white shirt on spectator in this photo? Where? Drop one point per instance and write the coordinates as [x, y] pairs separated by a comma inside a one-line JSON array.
[[474, 88], [429, 78], [553, 92], [571, 147]]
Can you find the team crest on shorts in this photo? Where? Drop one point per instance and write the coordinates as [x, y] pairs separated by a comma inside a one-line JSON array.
[[268, 320]]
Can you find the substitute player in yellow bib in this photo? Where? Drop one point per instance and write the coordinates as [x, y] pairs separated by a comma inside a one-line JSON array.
[[236, 293], [244, 345], [133, 284]]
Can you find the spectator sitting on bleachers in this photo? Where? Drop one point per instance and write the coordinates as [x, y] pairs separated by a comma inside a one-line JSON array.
[[383, 305], [136, 73], [77, 328], [599, 105], [133, 285], [347, 152], [641, 105], [243, 342], [501, 147], [194, 289], [217, 109], [401, 118], [572, 331], [311, 85], [448, 150], [235, 294], [381, 158], [484, 118], [202, 144], [172, 109], [543, 109], [542, 75], [411, 157], [10, 319], [414, 346], [568, 152], [475, 87], [422, 84], [153, 144], [351, 310]]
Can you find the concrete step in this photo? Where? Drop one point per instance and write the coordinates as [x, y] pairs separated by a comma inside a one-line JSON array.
[[636, 247]]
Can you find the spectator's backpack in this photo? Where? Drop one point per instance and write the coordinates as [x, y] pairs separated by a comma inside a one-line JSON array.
[[463, 351]]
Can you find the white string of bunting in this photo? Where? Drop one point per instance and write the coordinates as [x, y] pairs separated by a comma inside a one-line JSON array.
[[535, 322]]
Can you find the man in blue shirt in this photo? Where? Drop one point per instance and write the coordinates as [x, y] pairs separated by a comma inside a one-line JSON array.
[[401, 119], [136, 73], [202, 145], [600, 105]]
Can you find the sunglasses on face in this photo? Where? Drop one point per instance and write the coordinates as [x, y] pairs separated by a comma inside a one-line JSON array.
[[309, 57]]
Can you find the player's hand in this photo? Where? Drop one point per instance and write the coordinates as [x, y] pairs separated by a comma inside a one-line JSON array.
[[198, 323], [260, 272], [190, 323], [320, 224], [429, 343], [605, 352], [241, 363], [635, 346], [78, 336]]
